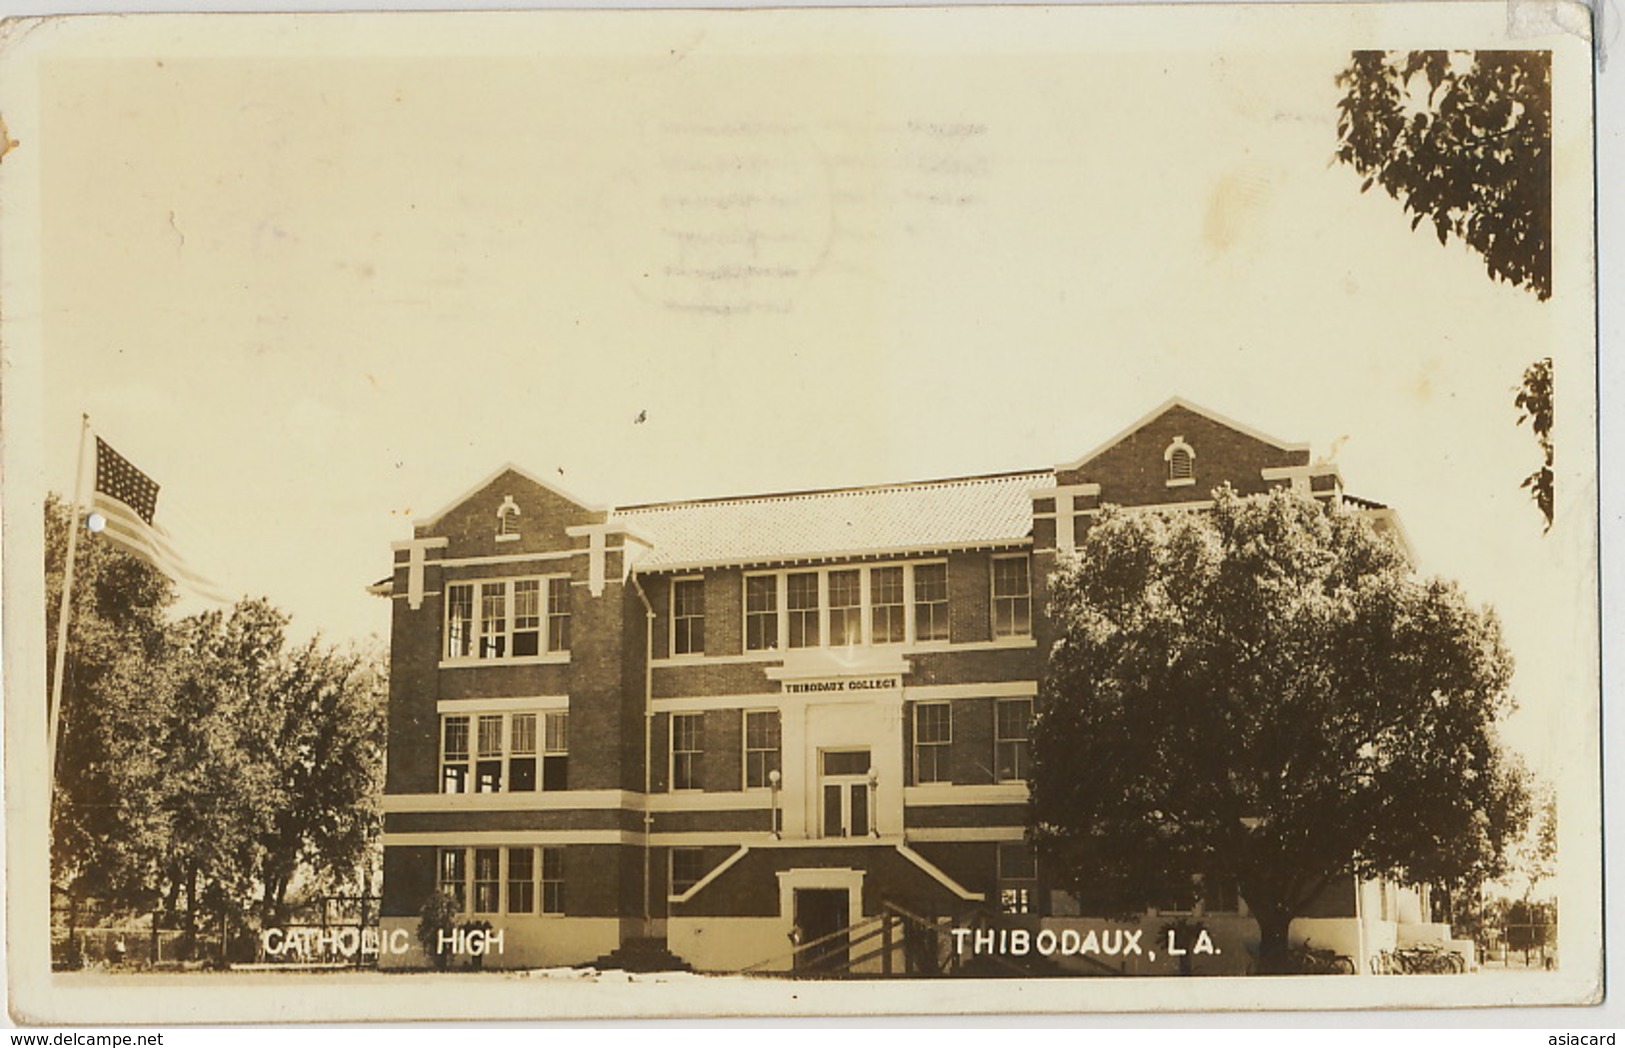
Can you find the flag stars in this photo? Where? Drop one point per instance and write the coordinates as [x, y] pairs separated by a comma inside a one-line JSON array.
[[117, 478]]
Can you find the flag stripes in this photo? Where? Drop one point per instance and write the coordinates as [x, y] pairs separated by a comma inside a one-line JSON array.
[[127, 498]]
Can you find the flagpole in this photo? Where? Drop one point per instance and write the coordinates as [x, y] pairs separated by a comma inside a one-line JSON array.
[[66, 608]]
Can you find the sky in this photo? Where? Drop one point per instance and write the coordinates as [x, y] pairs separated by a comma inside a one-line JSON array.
[[318, 280]]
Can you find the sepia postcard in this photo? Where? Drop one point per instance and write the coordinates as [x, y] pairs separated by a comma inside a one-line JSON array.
[[910, 510]]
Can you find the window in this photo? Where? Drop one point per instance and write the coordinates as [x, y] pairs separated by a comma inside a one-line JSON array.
[[1012, 597], [687, 748], [688, 617], [482, 771], [558, 614], [493, 620], [801, 600], [522, 753], [452, 876], [487, 880], [1018, 869], [930, 602], [488, 766], [552, 880], [521, 880], [687, 867], [761, 612], [1181, 459], [527, 617], [459, 621], [499, 886], [887, 624], [454, 755], [932, 737], [1012, 745], [761, 747], [845, 608], [508, 520], [556, 751], [502, 618]]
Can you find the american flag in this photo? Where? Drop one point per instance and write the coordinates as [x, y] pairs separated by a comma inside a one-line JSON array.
[[127, 498]]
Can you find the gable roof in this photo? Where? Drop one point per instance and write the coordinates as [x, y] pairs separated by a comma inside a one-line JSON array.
[[508, 467], [1163, 408], [964, 513]]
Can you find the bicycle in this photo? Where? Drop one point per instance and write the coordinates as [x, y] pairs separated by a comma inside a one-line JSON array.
[[1430, 959], [1308, 960]]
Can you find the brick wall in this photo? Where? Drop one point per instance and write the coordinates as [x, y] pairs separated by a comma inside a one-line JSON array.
[[1134, 473]]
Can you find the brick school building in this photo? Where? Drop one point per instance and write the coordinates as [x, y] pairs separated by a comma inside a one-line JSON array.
[[724, 727]]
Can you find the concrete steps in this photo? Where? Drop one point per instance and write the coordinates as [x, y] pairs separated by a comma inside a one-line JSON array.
[[642, 955]]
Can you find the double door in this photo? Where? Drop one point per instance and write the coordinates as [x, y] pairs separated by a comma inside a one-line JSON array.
[[845, 793]]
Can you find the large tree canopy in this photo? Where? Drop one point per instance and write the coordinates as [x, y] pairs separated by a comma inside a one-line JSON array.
[[1266, 695]]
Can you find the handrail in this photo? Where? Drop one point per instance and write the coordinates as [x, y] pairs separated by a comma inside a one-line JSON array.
[[803, 947]]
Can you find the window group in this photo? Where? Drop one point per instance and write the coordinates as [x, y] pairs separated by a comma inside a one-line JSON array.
[[507, 618], [761, 750], [933, 724], [504, 752], [933, 748], [906, 603], [513, 880]]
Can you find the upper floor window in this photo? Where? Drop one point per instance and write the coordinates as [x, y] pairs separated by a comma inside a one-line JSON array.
[[503, 618], [761, 747], [558, 614], [1012, 757], [508, 520], [504, 756], [845, 607], [930, 602], [1181, 460], [801, 600], [933, 739], [761, 612], [687, 750], [688, 617], [1012, 597], [887, 623]]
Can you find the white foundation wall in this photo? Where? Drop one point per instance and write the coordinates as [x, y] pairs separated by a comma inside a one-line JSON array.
[[535, 942], [730, 944]]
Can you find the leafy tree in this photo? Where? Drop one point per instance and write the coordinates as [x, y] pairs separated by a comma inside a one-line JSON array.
[[204, 766], [1534, 399], [1463, 140], [105, 839], [219, 786], [328, 759], [1266, 695]]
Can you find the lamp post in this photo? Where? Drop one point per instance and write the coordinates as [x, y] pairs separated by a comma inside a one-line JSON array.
[[773, 779], [874, 811]]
